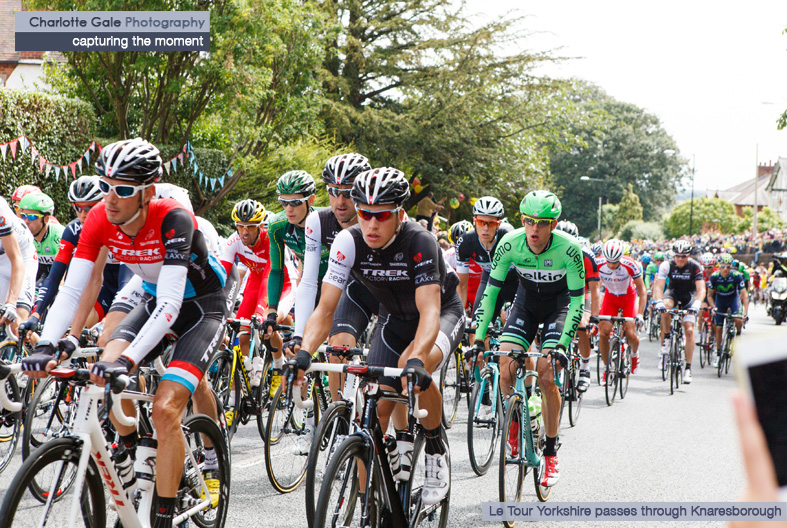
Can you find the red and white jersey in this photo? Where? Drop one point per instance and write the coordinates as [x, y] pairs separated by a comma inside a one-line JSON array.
[[619, 281], [256, 258]]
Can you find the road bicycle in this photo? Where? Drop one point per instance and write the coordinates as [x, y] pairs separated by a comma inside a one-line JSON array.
[[707, 337], [525, 452], [485, 416], [359, 489], [569, 393], [676, 361], [728, 333], [456, 378], [618, 367], [75, 470]]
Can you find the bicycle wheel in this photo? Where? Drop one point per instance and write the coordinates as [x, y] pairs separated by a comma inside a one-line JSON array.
[[674, 361], [46, 415], [332, 429], [199, 429], [703, 343], [285, 462], [220, 380], [562, 376], [55, 465], [10, 424], [599, 370], [339, 501], [449, 387], [725, 347], [512, 470], [432, 515], [542, 492], [575, 397], [625, 371], [483, 428], [262, 399], [613, 361]]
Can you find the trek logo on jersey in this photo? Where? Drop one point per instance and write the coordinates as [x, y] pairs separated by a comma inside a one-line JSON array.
[[170, 233], [418, 257], [398, 257], [309, 230], [385, 274], [339, 256], [142, 254], [542, 275]]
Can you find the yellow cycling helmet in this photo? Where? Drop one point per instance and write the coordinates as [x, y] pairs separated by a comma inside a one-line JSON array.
[[248, 212]]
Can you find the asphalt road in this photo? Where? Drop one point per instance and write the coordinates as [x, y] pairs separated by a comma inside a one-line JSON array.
[[649, 447]]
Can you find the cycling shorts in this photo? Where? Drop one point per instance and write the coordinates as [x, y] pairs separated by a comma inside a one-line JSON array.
[[355, 309], [530, 310], [724, 304], [392, 336], [613, 303], [683, 301]]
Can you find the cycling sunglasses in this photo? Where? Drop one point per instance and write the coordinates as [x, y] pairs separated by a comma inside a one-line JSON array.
[[292, 203], [122, 190], [246, 226], [380, 216], [336, 192], [82, 208], [529, 220], [681, 255], [31, 217], [486, 223], [725, 266]]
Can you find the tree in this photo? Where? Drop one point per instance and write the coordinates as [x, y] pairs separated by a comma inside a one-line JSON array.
[[712, 214], [621, 144], [629, 209], [639, 230], [767, 219]]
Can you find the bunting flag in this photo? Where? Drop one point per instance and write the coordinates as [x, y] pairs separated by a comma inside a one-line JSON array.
[[73, 167], [166, 167], [4, 148], [13, 147], [41, 163], [57, 172], [87, 156], [23, 144], [79, 163], [48, 169]]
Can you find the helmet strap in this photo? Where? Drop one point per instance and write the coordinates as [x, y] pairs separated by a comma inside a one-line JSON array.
[[44, 226], [136, 215]]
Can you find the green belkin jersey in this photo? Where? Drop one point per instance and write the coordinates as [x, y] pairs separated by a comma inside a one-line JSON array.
[[280, 233], [47, 249], [558, 269]]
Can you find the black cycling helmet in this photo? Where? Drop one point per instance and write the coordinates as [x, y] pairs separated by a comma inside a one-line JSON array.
[[132, 160], [384, 185], [343, 169]]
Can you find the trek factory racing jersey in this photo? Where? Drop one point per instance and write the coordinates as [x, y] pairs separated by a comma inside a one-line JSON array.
[[620, 281], [281, 232], [469, 249], [392, 274], [555, 271], [727, 288], [68, 244], [47, 249], [169, 254], [320, 230], [681, 280]]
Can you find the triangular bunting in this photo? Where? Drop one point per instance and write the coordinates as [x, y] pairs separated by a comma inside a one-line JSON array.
[[166, 167], [33, 153], [92, 145], [79, 162], [87, 157], [73, 167], [196, 168], [4, 148], [175, 164], [221, 182], [23, 143], [41, 163], [213, 184], [57, 172], [229, 173], [48, 168], [13, 148], [200, 179]]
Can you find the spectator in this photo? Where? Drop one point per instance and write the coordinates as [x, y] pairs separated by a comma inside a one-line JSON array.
[[427, 210]]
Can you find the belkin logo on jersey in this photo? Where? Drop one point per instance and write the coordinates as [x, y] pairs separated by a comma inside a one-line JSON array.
[[542, 275]]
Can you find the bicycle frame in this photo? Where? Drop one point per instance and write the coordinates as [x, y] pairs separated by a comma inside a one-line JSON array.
[[529, 458]]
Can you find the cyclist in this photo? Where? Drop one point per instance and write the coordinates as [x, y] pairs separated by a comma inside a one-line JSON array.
[[596, 249], [686, 290], [157, 240], [287, 230], [250, 246], [549, 266], [726, 287], [357, 304], [622, 278], [18, 267], [474, 276], [83, 193], [645, 260], [20, 193], [591, 309], [421, 316], [653, 268], [36, 210]]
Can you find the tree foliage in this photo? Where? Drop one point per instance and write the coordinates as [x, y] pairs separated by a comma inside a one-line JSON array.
[[629, 209], [710, 214], [767, 219], [639, 230], [621, 145]]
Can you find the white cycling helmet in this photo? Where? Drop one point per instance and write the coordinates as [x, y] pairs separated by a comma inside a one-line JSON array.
[[488, 206], [85, 189], [613, 250], [707, 259], [179, 194]]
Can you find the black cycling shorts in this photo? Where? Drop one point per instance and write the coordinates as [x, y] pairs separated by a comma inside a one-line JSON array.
[[392, 336], [682, 299], [355, 309], [530, 310]]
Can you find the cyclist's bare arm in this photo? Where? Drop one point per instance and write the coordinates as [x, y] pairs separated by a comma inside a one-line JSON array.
[[464, 280]]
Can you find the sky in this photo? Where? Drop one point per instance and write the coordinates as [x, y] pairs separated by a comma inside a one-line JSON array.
[[715, 73]]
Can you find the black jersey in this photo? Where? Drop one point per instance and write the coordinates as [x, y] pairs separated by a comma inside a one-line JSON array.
[[468, 248], [681, 279], [392, 274]]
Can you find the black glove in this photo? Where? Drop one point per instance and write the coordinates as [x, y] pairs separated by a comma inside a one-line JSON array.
[[593, 319], [302, 360], [559, 353], [68, 345], [121, 365], [269, 322], [44, 353], [31, 325], [479, 345], [293, 342], [421, 377]]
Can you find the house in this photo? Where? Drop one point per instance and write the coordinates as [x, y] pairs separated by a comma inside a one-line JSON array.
[[777, 188], [743, 194], [19, 69]]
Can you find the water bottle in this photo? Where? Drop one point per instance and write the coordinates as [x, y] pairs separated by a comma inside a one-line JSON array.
[[256, 371], [145, 465], [247, 363], [393, 454], [535, 412], [404, 444], [124, 467]]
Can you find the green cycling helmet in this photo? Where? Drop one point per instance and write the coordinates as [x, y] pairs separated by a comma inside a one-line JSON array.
[[541, 204], [296, 182], [658, 255], [724, 258], [38, 202]]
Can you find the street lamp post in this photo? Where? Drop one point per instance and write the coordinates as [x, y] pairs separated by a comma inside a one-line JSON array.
[[691, 207], [600, 197]]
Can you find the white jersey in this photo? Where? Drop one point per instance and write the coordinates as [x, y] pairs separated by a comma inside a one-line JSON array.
[[10, 224]]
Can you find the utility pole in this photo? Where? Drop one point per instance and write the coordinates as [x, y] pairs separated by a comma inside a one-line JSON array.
[[756, 181]]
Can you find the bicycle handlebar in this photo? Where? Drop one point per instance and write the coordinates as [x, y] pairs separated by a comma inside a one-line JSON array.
[[6, 370], [615, 319]]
